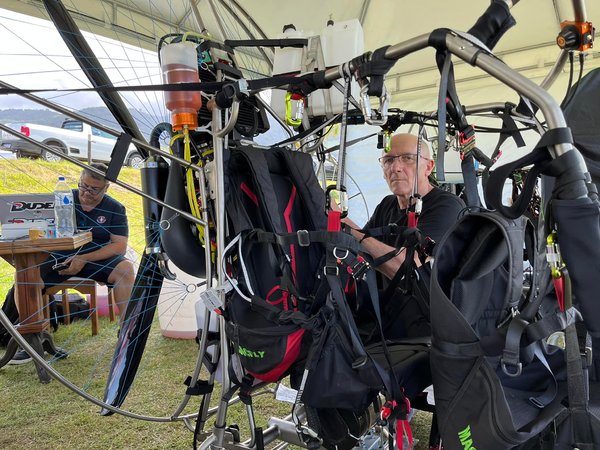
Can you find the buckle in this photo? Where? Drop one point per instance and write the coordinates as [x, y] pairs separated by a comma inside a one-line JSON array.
[[328, 270], [303, 238], [359, 267], [505, 367]]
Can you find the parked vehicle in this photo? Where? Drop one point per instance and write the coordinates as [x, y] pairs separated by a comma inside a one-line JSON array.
[[74, 138]]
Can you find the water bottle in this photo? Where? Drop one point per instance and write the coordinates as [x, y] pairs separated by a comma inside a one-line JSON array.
[[64, 210]]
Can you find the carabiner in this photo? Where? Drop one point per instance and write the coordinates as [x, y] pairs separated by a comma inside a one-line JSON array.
[[294, 109], [387, 140], [553, 255], [377, 117]]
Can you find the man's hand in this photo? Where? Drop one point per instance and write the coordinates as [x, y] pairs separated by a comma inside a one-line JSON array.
[[76, 264]]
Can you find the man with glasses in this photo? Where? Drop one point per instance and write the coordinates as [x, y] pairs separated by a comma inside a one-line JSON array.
[[406, 169], [103, 258]]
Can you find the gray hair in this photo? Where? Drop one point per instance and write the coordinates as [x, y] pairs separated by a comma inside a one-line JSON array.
[[98, 166]]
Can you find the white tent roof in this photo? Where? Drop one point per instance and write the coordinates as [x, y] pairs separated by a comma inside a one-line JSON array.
[[528, 47]]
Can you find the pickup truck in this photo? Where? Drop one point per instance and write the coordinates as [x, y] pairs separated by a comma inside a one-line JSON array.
[[72, 138]]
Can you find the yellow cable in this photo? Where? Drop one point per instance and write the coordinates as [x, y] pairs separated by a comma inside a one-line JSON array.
[[190, 185], [173, 139]]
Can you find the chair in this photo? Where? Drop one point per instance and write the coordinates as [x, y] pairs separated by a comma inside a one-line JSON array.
[[84, 286]]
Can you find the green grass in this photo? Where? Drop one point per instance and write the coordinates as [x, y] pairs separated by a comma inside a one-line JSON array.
[[36, 416]]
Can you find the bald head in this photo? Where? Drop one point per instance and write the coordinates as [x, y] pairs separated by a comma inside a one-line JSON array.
[[407, 143]]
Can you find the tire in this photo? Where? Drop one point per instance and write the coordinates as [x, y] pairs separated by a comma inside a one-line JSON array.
[[135, 160], [50, 157]]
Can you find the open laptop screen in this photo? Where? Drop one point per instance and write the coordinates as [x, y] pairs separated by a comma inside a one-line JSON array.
[[27, 208]]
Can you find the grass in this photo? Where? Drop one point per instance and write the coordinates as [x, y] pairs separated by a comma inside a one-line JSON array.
[[51, 416]]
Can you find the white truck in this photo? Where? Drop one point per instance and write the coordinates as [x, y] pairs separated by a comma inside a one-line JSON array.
[[74, 138]]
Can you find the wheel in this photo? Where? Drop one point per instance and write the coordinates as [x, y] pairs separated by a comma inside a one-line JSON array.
[[135, 160], [51, 157]]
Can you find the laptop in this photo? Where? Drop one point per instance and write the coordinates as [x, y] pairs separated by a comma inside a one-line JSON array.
[[20, 212]]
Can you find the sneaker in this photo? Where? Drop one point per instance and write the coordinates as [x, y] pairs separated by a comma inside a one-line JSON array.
[[21, 357]]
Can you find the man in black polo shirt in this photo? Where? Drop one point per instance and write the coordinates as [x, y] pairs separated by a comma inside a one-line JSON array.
[[440, 209], [102, 259], [406, 168]]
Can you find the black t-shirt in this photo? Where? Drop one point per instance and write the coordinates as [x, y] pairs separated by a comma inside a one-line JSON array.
[[440, 211], [108, 217]]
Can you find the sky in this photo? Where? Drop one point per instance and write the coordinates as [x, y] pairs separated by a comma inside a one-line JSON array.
[[34, 55]]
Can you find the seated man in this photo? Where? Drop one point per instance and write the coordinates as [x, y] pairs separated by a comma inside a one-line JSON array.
[[102, 259], [440, 209]]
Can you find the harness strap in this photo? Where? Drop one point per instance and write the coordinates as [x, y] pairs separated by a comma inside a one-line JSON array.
[[576, 381], [546, 397], [539, 157], [509, 129], [304, 238], [442, 102], [373, 66]]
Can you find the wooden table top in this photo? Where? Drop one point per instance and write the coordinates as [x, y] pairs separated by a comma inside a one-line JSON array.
[[20, 246]]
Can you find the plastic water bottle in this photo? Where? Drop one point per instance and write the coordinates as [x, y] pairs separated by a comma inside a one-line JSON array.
[[64, 210]]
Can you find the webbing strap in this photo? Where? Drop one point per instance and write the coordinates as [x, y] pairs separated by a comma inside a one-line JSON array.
[[539, 157], [509, 129], [576, 381], [442, 99], [304, 238], [467, 166], [546, 397]]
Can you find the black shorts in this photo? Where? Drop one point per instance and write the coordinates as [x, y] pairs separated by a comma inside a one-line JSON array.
[[95, 270]]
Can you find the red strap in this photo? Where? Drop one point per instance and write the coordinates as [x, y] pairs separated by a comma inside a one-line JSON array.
[[559, 288], [413, 219], [402, 428], [334, 221]]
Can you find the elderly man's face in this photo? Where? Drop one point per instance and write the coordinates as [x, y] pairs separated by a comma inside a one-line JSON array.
[[400, 165]]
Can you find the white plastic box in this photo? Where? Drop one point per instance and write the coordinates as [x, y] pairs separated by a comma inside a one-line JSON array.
[[339, 42]]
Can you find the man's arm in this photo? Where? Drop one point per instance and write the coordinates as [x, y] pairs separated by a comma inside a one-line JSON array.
[[116, 246], [377, 248]]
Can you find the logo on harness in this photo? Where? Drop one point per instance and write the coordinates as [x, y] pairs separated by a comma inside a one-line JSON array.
[[250, 353], [465, 438]]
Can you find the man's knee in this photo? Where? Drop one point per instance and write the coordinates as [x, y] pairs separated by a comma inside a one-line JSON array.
[[124, 272]]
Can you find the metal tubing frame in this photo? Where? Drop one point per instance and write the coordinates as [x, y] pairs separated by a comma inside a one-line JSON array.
[[67, 112], [218, 147], [478, 57]]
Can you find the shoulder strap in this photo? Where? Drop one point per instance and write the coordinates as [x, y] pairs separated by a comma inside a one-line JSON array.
[[300, 169], [252, 160]]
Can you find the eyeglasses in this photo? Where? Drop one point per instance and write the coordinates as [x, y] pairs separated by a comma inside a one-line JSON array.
[[408, 159], [90, 189]]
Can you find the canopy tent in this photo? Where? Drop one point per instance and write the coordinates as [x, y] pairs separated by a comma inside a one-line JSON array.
[[528, 47], [413, 82]]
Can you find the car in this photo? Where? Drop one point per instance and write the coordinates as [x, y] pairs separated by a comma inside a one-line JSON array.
[[74, 138]]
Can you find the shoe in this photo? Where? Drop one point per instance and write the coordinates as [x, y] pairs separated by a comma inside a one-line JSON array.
[[21, 357]]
